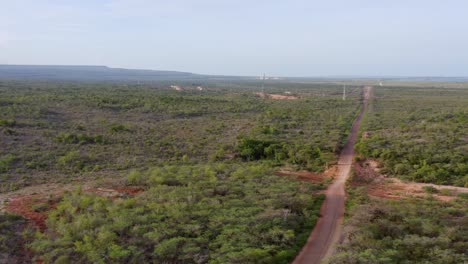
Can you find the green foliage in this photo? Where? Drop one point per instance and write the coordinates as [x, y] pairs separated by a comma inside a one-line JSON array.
[[119, 128], [72, 161], [11, 227], [305, 156], [253, 149], [430, 189], [419, 134], [190, 212], [6, 162], [407, 231], [70, 138], [220, 213], [7, 122]]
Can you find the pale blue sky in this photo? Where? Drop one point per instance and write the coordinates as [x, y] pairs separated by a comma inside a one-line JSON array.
[[240, 37]]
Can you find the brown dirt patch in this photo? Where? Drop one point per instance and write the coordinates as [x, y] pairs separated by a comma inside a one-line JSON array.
[[307, 176], [32, 207], [377, 185], [277, 96]]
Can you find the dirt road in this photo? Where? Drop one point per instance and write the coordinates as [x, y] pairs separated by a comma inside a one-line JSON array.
[[327, 231]]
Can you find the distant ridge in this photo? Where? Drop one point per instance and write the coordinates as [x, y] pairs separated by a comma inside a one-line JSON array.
[[87, 73], [96, 73]]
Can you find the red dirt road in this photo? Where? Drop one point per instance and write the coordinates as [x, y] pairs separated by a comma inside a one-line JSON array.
[[327, 231]]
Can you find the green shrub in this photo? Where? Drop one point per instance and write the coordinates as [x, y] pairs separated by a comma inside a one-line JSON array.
[[6, 162], [136, 178], [72, 160], [119, 128], [405, 231], [7, 122], [447, 192], [430, 189], [11, 241], [70, 138]]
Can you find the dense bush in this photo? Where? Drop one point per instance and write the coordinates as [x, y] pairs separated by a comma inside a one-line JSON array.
[[406, 231], [7, 122], [11, 227], [118, 127], [419, 134], [188, 214], [6, 162], [305, 156]]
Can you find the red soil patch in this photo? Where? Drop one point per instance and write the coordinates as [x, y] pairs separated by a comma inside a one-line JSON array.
[[24, 206], [377, 185]]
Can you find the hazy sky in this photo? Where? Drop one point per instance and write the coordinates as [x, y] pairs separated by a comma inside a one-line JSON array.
[[240, 37]]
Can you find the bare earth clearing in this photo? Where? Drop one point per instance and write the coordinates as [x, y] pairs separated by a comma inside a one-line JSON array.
[[378, 185], [277, 96], [307, 176]]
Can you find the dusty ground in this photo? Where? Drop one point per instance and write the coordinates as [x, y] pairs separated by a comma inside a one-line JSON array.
[[378, 185], [32, 207], [308, 176], [277, 96]]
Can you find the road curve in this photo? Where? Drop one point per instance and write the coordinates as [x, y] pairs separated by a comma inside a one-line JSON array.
[[326, 233]]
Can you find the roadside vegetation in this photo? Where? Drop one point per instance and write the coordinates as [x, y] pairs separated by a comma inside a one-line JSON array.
[[418, 134], [407, 230]]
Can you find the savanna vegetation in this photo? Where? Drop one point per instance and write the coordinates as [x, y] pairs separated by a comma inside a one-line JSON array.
[[205, 160], [205, 163], [219, 213], [64, 131], [11, 238], [410, 230], [418, 134]]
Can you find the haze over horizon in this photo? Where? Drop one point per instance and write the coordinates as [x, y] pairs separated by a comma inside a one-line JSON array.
[[293, 38]]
